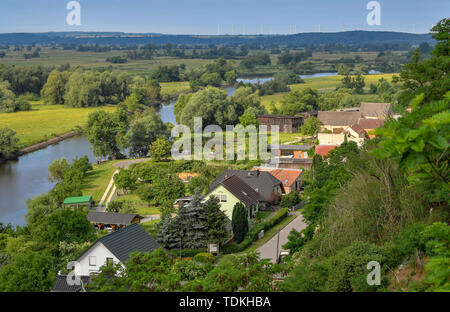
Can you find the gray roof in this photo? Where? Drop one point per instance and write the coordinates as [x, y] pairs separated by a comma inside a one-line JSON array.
[[111, 217], [377, 110], [371, 123], [339, 118], [61, 285], [127, 240], [260, 181], [242, 191], [280, 116]]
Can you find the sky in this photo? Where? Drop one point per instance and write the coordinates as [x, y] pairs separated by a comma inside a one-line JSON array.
[[204, 16]]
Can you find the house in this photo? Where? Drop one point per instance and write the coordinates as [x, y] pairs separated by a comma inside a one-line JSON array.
[[323, 150], [337, 121], [291, 178], [115, 247], [292, 151], [355, 131], [112, 220], [61, 284], [263, 183], [187, 176], [80, 201], [233, 190], [369, 125], [375, 110], [353, 134], [287, 124], [182, 201]]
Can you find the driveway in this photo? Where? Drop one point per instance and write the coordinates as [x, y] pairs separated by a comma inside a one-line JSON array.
[[269, 249]]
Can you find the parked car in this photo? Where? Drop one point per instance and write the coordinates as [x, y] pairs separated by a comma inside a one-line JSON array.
[[282, 255]]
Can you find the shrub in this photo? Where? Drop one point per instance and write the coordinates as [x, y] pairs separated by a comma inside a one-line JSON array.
[[204, 257], [252, 234]]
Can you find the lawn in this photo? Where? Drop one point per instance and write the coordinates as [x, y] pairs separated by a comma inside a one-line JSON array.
[[270, 233], [322, 84], [96, 180], [46, 121], [143, 208], [172, 89]]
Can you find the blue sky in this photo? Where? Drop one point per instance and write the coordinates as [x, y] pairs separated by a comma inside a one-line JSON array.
[[203, 16]]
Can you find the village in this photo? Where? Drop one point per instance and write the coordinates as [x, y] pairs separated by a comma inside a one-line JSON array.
[[259, 190]]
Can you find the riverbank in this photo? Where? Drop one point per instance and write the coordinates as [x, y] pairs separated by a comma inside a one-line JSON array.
[[47, 143]]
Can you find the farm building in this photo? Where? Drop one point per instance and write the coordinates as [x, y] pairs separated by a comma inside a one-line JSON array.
[[286, 124]]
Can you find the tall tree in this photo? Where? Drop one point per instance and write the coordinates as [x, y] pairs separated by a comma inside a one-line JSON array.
[[239, 222], [216, 221], [54, 89], [9, 143]]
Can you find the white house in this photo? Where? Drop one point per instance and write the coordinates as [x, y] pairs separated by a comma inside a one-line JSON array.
[[115, 247]]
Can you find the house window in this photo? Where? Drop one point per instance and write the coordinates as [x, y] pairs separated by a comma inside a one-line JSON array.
[[109, 261], [223, 198], [92, 260]]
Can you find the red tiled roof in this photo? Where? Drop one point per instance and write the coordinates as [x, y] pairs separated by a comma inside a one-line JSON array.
[[323, 150], [286, 176], [358, 129]]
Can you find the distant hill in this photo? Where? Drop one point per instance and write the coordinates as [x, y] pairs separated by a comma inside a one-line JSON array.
[[301, 39]]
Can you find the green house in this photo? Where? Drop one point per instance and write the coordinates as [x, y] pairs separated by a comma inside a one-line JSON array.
[[234, 190], [85, 201]]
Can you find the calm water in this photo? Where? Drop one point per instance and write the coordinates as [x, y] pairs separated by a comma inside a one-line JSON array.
[[264, 79], [27, 177]]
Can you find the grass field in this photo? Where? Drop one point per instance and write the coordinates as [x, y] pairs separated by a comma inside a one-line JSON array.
[[46, 121], [96, 180], [51, 57], [322, 84], [171, 89]]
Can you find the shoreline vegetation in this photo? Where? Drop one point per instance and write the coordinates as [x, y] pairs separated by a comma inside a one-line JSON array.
[[26, 123]]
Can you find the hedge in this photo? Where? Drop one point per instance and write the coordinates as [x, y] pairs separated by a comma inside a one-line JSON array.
[[186, 252], [204, 257], [252, 234]]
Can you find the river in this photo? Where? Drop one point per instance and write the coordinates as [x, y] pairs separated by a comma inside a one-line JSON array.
[[27, 177]]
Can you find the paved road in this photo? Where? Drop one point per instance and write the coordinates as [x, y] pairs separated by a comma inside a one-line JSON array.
[[269, 249]]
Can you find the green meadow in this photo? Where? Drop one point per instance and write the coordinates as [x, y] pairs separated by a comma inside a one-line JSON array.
[[322, 85], [44, 122]]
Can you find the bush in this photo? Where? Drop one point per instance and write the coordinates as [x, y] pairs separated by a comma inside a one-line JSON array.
[[290, 200], [185, 253], [252, 234], [204, 257]]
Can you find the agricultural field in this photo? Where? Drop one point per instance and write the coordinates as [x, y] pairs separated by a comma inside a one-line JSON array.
[[322, 85], [90, 60]]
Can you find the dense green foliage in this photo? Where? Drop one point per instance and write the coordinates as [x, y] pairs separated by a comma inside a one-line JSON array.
[[239, 222], [8, 144]]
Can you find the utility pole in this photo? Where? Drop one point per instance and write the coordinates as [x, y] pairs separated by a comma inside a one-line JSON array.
[[278, 246]]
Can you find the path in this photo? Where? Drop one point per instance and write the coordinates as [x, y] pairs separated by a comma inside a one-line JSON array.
[[269, 249], [111, 189]]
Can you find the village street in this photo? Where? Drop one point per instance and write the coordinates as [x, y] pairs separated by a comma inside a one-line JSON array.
[[269, 249]]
